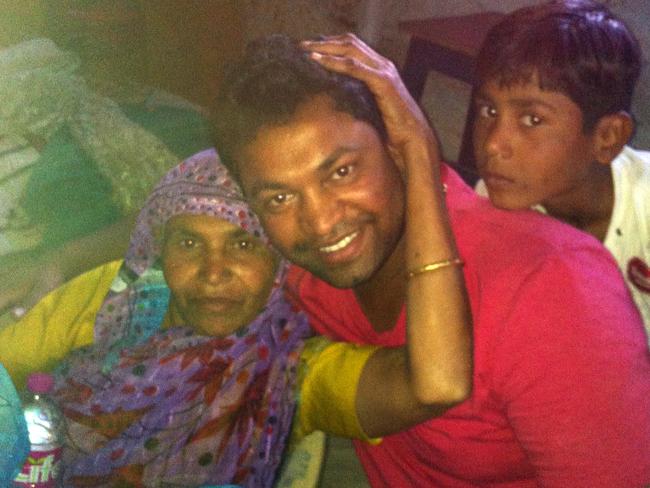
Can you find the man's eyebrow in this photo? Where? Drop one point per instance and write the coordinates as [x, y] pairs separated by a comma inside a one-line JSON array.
[[262, 186], [330, 160]]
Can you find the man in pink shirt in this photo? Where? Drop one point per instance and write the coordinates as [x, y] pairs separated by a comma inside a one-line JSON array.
[[561, 392]]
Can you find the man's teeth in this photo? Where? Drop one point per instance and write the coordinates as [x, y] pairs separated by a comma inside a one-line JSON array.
[[341, 244]]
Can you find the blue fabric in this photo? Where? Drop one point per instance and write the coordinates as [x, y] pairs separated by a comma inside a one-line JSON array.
[[14, 440], [149, 302]]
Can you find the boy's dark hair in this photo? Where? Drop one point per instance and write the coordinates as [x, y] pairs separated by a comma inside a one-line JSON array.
[[266, 86], [576, 47]]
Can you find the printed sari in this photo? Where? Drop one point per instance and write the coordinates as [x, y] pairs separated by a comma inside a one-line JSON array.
[[152, 407]]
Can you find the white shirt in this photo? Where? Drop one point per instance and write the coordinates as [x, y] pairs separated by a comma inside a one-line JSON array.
[[628, 235]]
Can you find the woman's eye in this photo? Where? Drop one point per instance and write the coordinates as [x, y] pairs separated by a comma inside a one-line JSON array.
[[530, 120], [245, 245], [187, 243]]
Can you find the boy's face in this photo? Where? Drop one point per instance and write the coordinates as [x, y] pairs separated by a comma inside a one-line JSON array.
[[220, 276], [530, 146], [327, 193]]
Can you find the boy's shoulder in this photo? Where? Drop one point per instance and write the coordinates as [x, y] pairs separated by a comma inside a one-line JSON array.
[[634, 164], [476, 220], [631, 174], [508, 244]]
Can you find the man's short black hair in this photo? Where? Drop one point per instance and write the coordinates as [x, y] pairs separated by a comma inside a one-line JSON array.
[[268, 84]]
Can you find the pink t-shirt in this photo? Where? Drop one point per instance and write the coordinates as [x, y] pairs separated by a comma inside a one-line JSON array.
[[561, 394]]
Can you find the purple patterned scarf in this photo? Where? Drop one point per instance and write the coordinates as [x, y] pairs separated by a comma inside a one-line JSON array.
[[153, 407]]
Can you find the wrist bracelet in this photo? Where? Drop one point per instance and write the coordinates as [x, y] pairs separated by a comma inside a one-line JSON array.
[[435, 266]]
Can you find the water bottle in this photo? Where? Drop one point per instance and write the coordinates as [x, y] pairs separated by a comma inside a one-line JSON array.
[[44, 424]]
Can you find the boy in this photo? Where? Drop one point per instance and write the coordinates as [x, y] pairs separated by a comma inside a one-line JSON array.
[[554, 89]]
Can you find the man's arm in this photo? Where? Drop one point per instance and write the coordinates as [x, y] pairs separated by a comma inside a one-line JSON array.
[[401, 387]]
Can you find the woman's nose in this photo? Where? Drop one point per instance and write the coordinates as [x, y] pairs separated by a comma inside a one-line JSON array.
[[216, 267]]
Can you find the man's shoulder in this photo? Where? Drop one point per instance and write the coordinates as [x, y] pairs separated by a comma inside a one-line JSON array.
[[477, 222], [331, 311]]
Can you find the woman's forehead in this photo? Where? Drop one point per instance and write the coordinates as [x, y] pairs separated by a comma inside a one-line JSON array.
[[201, 223], [235, 211]]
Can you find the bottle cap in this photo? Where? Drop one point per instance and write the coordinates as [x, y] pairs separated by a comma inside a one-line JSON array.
[[40, 382]]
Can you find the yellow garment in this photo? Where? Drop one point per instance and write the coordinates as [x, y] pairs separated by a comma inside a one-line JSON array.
[[326, 396], [64, 320]]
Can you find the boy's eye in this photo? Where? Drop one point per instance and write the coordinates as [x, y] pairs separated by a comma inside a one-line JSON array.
[[530, 120], [486, 111], [342, 171]]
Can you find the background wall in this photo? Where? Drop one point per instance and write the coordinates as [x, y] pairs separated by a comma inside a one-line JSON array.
[[183, 45], [178, 45], [446, 100]]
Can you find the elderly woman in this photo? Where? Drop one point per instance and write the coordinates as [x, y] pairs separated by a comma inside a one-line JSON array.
[[191, 373]]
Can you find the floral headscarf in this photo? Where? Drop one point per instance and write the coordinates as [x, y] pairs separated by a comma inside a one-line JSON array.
[[152, 407]]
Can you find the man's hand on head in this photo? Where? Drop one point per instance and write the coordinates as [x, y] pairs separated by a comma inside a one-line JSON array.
[[406, 124]]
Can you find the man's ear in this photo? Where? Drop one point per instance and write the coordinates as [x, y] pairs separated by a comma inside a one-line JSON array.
[[611, 133]]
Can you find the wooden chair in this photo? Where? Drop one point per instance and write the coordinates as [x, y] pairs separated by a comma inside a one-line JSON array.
[[448, 45]]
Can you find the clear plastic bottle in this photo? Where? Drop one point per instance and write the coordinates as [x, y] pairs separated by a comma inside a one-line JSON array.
[[42, 468]]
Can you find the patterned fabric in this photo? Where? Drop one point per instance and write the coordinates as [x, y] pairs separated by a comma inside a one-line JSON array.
[[152, 407], [16, 160], [42, 92]]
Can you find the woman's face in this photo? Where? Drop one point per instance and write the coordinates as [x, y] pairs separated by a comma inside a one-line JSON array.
[[219, 275]]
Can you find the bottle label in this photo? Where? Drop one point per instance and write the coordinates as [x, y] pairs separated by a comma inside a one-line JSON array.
[[41, 469]]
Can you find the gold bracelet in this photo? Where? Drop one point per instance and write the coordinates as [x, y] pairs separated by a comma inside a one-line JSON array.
[[435, 266]]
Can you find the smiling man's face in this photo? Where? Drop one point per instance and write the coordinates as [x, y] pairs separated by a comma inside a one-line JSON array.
[[329, 196]]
